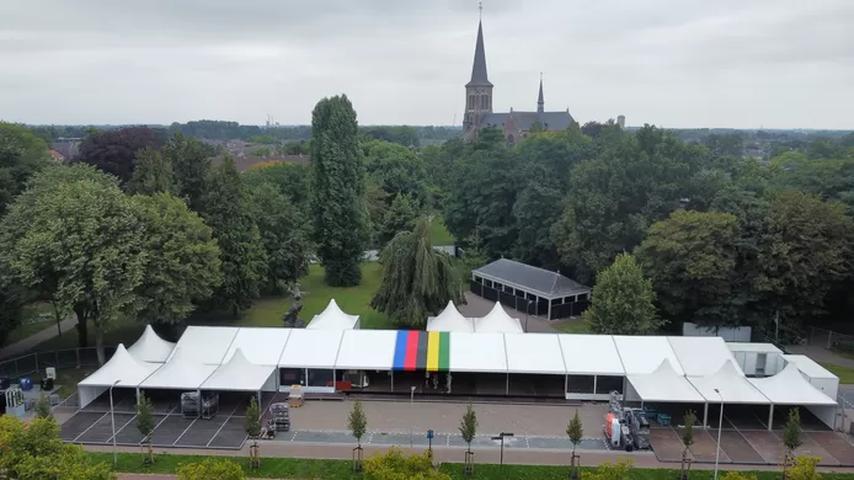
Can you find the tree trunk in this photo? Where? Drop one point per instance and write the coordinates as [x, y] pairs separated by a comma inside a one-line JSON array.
[[82, 327]]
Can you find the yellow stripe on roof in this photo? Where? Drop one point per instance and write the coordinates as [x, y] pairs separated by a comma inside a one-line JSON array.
[[433, 351]]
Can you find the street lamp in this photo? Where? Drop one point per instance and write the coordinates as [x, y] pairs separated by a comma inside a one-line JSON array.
[[411, 416], [501, 438], [113, 421], [720, 427]]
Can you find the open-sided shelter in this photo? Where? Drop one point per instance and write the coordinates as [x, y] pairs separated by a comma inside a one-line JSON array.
[[593, 366], [122, 370]]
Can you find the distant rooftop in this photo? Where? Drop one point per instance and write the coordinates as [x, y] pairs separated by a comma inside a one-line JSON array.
[[538, 280]]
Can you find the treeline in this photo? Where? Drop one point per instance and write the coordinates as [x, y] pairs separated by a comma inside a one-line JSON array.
[[725, 239]]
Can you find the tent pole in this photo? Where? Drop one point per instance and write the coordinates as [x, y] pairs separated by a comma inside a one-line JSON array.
[[392, 382], [550, 310], [706, 415], [507, 386], [771, 417], [565, 385], [595, 384], [199, 411], [259, 399]]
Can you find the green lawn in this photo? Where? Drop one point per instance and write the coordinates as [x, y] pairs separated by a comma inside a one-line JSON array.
[[35, 317], [439, 234], [845, 374], [340, 469], [573, 325], [266, 311]]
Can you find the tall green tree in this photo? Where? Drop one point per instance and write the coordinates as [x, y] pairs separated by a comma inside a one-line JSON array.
[[182, 266], [692, 259], [145, 425], [622, 300], [357, 422], [153, 173], [80, 240], [400, 216], [243, 256], [338, 190], [22, 154], [284, 234], [191, 163], [417, 280], [468, 430]]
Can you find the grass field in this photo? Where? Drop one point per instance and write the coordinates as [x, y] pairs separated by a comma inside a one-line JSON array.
[[266, 311], [573, 325], [340, 469], [845, 374], [439, 234], [35, 317]]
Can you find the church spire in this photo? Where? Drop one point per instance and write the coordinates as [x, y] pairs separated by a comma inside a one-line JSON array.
[[478, 70], [540, 103]]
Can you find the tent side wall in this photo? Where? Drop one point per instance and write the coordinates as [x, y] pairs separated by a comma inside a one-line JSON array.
[[88, 393], [825, 413]]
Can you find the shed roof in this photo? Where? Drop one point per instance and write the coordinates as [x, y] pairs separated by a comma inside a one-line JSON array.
[[537, 280], [591, 355]]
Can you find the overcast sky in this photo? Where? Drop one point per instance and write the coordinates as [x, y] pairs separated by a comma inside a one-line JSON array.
[[675, 63]]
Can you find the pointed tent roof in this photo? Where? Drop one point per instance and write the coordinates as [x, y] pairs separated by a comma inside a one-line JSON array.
[[497, 321], [664, 384], [239, 374], [333, 318], [478, 69], [731, 382], [122, 366], [150, 347], [183, 370], [789, 387], [450, 320]]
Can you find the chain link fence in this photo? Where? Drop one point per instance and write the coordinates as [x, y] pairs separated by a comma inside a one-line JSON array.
[[831, 340], [34, 363]]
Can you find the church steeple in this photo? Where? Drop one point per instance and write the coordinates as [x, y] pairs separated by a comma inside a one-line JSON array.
[[478, 69], [478, 90], [540, 103]]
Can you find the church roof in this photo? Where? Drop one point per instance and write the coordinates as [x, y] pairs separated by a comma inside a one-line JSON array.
[[478, 69], [525, 120]]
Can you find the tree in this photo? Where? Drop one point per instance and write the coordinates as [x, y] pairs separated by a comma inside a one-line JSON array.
[[21, 155], [468, 430], [191, 164], [396, 169], [182, 265], [153, 173], [209, 468], [575, 432], [242, 251], [284, 236], [688, 420], [34, 451], [11, 302], [253, 429], [43, 409], [338, 191], [114, 151], [417, 280], [804, 248], [791, 437], [400, 216], [80, 240], [622, 470], [292, 180], [691, 259], [145, 425], [804, 468], [357, 422], [394, 465], [622, 300]]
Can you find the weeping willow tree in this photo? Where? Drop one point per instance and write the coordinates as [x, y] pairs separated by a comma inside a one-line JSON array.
[[417, 280]]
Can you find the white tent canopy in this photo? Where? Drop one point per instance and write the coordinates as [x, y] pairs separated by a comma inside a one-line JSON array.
[[239, 374], [333, 318], [150, 347], [311, 349], [644, 354], [789, 387], [260, 345], [121, 369], [591, 355], [701, 355], [809, 367], [497, 321], [182, 371], [664, 384], [477, 352], [366, 350], [205, 345], [537, 353], [450, 320], [732, 384]]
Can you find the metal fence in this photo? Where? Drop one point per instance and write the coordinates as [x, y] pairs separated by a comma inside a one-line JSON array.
[[831, 340], [36, 362]]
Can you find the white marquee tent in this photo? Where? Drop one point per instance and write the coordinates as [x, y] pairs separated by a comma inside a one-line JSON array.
[[239, 374], [333, 318], [150, 347], [366, 350], [664, 384], [478, 353], [205, 345], [497, 321], [311, 349], [122, 369], [701, 355], [789, 387], [591, 355], [733, 386], [260, 345], [644, 354], [183, 371], [450, 320], [537, 353]]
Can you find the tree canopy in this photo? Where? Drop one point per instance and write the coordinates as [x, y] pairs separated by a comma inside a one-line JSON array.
[[22, 154], [622, 300], [114, 151]]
